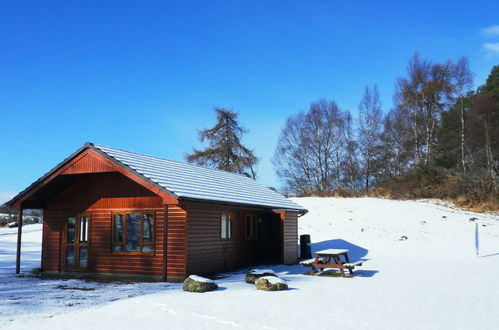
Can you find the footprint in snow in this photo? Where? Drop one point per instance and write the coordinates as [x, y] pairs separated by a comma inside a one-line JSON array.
[[165, 308]]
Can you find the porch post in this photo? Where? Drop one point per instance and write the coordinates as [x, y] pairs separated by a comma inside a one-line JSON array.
[[19, 234]]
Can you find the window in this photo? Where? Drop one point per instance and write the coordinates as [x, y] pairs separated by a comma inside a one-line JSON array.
[[76, 242], [226, 225], [252, 222], [133, 232], [83, 230]]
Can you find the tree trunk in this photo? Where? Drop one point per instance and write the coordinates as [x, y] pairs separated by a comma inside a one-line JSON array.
[[489, 155], [463, 163], [368, 170]]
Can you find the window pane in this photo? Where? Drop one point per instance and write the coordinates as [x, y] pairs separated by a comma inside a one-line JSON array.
[[118, 228], [148, 226], [147, 248], [70, 256], [83, 257], [223, 226], [83, 229], [229, 228], [133, 232], [118, 248], [71, 230]]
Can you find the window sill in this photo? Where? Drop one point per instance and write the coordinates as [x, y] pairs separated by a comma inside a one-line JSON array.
[[151, 254]]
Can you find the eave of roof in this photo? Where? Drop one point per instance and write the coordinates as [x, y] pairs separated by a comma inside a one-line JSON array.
[[288, 205], [46, 175], [194, 182]]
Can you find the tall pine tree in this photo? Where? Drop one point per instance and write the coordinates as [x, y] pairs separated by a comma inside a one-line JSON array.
[[225, 150]]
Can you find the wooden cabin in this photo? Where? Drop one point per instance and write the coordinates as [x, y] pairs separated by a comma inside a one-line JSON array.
[[110, 212]]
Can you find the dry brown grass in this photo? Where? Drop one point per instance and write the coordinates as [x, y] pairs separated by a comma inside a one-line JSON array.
[[475, 195]]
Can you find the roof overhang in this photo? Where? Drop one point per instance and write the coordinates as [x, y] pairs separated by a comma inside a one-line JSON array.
[[56, 180], [35, 195], [267, 207]]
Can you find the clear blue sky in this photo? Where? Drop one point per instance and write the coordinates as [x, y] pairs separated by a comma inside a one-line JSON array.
[[144, 76]]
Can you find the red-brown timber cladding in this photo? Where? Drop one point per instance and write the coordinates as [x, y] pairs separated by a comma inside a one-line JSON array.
[[176, 257], [206, 251], [290, 238], [98, 195], [193, 231], [91, 162], [87, 162]]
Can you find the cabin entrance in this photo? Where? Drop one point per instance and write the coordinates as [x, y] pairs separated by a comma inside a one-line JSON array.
[[75, 243], [269, 239]]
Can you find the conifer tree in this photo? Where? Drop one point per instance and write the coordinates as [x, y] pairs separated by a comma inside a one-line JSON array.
[[225, 150]]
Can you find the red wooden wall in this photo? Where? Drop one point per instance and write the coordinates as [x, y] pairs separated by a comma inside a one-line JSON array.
[[192, 230], [208, 253], [98, 195], [176, 243], [290, 238]]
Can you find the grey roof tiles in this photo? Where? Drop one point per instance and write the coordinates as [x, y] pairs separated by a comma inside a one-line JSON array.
[[185, 180]]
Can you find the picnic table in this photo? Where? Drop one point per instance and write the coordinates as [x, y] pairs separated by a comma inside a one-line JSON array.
[[334, 259]]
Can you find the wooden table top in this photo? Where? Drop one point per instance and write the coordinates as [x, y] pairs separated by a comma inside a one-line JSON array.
[[332, 252]]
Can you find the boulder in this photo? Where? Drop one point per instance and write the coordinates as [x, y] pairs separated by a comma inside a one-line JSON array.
[[271, 283], [196, 283], [253, 274]]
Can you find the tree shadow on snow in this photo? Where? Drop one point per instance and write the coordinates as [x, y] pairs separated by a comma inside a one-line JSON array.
[[355, 252], [490, 255]]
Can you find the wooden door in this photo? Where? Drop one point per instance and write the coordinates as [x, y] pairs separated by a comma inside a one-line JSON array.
[[76, 243]]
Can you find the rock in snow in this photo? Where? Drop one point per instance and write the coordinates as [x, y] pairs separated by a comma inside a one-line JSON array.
[[271, 283], [254, 274], [196, 283]]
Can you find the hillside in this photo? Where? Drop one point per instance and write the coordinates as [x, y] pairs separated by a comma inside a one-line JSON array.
[[430, 280]]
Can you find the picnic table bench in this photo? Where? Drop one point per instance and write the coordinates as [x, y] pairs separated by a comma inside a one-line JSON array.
[[332, 258]]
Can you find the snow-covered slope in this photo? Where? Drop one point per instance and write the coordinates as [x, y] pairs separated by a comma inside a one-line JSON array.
[[422, 273]]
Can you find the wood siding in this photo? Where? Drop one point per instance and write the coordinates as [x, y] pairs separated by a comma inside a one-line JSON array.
[[87, 162], [53, 224], [208, 253], [290, 238], [98, 195], [187, 238], [176, 242]]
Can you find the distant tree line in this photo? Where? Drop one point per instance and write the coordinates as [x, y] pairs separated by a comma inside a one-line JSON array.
[[440, 135], [440, 139]]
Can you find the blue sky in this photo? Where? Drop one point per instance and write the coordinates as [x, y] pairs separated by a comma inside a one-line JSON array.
[[145, 76]]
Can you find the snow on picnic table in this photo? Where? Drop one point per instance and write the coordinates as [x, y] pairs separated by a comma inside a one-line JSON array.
[[431, 280]]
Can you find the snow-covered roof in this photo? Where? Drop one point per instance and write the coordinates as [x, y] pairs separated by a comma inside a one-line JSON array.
[[187, 181]]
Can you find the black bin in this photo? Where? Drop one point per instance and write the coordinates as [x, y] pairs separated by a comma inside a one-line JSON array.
[[305, 247]]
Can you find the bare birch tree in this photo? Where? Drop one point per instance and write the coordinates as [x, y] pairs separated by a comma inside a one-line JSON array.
[[370, 121], [464, 81], [425, 93], [350, 163], [309, 150]]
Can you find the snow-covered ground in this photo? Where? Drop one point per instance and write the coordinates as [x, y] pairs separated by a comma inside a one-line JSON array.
[[430, 280]]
